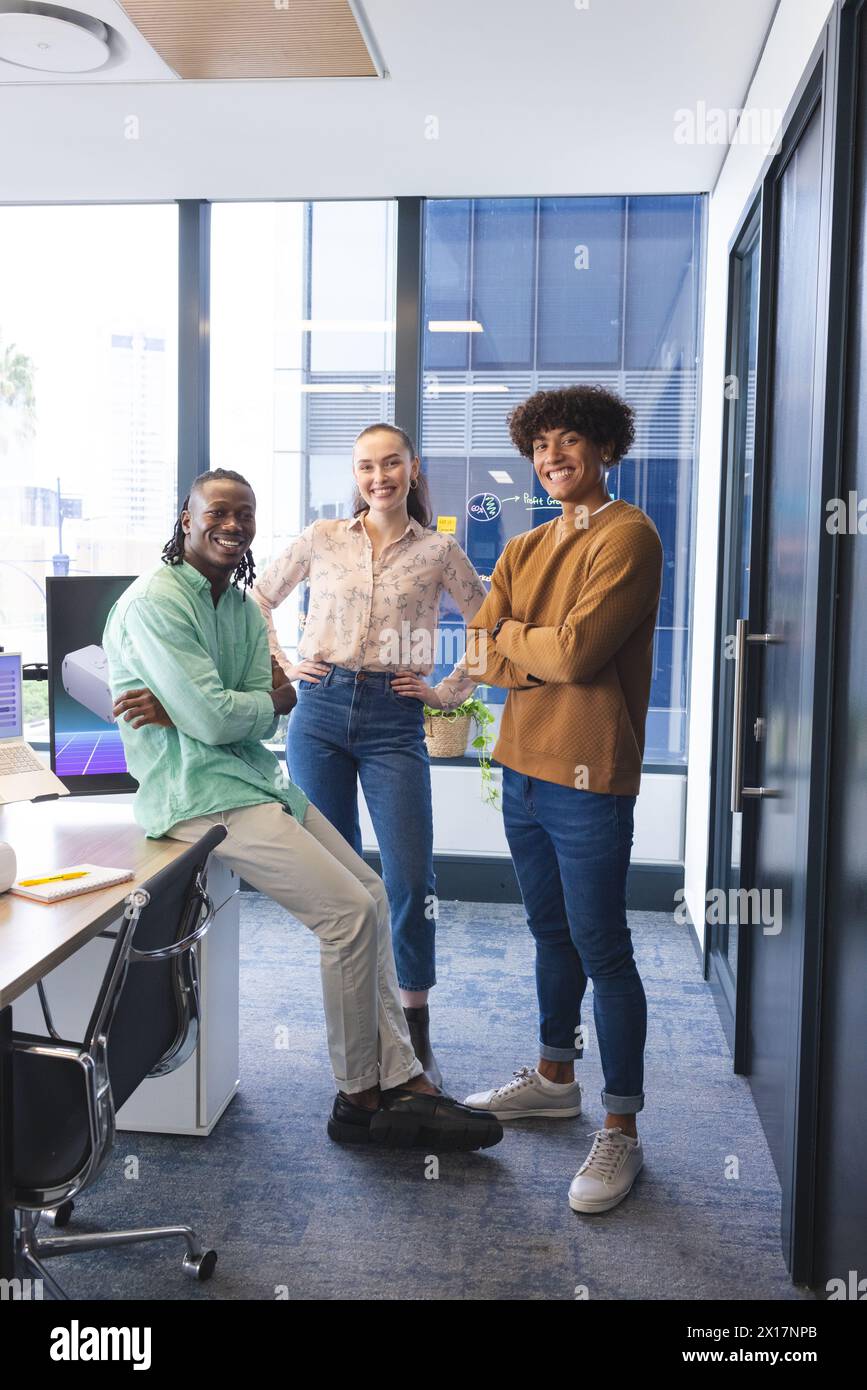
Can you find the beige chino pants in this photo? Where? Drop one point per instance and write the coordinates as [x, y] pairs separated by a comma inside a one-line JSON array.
[[312, 871]]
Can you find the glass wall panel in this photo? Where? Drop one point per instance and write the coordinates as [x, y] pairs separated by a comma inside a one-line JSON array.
[[564, 291], [503, 283], [581, 246], [302, 358]]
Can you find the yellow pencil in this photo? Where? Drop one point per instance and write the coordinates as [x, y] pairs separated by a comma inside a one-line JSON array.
[[55, 878]]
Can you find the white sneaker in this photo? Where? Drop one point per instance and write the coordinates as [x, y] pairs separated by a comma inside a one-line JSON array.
[[608, 1172], [528, 1095]]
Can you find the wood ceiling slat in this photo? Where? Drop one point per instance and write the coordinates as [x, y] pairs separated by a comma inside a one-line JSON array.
[[253, 38]]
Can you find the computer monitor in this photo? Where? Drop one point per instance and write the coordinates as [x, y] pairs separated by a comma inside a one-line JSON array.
[[86, 749], [11, 712]]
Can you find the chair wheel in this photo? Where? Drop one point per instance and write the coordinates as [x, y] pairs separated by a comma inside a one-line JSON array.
[[200, 1267], [59, 1215]]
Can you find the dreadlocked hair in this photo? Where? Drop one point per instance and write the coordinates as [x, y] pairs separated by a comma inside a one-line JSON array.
[[173, 550]]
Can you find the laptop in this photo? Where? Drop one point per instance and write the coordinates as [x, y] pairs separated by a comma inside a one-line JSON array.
[[23, 776]]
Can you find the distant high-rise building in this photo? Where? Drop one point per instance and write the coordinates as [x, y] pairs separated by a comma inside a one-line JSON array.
[[142, 467]]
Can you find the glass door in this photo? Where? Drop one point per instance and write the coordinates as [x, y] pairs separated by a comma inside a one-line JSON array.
[[726, 866]]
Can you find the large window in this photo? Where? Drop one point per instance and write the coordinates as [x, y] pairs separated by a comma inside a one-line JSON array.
[[88, 404], [518, 294], [528, 293], [302, 357]]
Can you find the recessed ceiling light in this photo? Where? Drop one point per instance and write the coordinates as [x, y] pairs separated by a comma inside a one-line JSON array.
[[337, 388], [454, 326], [342, 325], [48, 43], [434, 388], [341, 388]]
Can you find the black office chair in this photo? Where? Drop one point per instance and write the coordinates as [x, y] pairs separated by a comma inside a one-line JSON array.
[[144, 1023]]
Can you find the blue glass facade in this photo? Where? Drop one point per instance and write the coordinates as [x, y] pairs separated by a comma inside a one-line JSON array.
[[563, 291]]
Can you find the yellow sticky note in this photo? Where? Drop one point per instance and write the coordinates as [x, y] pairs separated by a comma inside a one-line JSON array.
[[448, 524]]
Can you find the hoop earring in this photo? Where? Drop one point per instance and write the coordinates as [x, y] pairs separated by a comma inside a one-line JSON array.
[[413, 482]]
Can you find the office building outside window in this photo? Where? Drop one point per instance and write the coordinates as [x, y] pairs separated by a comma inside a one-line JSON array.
[[524, 294], [88, 404]]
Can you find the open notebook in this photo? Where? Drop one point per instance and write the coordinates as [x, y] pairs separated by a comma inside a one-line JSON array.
[[94, 877]]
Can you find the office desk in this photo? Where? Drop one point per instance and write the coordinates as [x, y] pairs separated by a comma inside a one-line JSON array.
[[36, 938]]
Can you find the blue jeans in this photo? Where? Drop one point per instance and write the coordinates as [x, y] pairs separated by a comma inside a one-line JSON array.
[[353, 726], [571, 854]]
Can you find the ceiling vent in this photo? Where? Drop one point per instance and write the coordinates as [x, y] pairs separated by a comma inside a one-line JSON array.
[[51, 38]]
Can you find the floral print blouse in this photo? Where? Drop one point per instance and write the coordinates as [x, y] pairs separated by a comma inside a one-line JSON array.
[[374, 614]]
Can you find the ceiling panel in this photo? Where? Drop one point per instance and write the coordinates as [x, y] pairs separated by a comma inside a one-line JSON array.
[[278, 38]]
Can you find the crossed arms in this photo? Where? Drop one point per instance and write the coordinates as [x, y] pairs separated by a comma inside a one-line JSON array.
[[622, 588], [185, 689]]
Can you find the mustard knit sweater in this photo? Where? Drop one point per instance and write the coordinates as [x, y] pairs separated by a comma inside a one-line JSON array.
[[576, 648]]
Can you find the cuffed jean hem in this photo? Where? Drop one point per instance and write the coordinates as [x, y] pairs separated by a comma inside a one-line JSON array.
[[401, 1076], [417, 989], [622, 1105], [560, 1054]]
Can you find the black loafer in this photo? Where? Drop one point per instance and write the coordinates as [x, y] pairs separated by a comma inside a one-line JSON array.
[[409, 1119], [348, 1123]]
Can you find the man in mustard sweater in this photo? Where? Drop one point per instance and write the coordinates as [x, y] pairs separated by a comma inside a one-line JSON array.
[[568, 626]]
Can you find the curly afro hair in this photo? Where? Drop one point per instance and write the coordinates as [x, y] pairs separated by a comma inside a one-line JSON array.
[[600, 416]]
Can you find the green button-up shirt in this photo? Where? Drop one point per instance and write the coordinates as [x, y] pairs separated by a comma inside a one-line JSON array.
[[210, 668]]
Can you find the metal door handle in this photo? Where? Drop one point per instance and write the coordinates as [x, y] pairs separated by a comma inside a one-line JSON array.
[[742, 637]]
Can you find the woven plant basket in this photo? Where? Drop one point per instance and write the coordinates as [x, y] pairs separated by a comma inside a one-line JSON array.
[[446, 735]]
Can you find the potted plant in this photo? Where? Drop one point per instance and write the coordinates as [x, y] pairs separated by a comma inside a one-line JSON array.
[[448, 734]]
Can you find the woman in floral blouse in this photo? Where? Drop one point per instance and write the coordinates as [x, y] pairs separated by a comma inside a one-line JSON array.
[[368, 644]]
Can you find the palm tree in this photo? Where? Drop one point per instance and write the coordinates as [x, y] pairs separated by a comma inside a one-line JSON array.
[[16, 390]]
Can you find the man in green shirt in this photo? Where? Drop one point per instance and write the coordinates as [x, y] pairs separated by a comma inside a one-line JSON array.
[[195, 695]]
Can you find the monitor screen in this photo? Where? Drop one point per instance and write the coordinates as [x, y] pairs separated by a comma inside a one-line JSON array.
[[86, 749], [11, 721]]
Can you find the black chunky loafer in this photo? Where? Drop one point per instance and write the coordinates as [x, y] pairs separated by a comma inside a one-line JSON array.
[[407, 1119]]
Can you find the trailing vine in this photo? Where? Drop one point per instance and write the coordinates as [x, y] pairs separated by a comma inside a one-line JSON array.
[[483, 718]]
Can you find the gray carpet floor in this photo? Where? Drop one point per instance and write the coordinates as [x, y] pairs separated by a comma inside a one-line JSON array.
[[294, 1215]]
